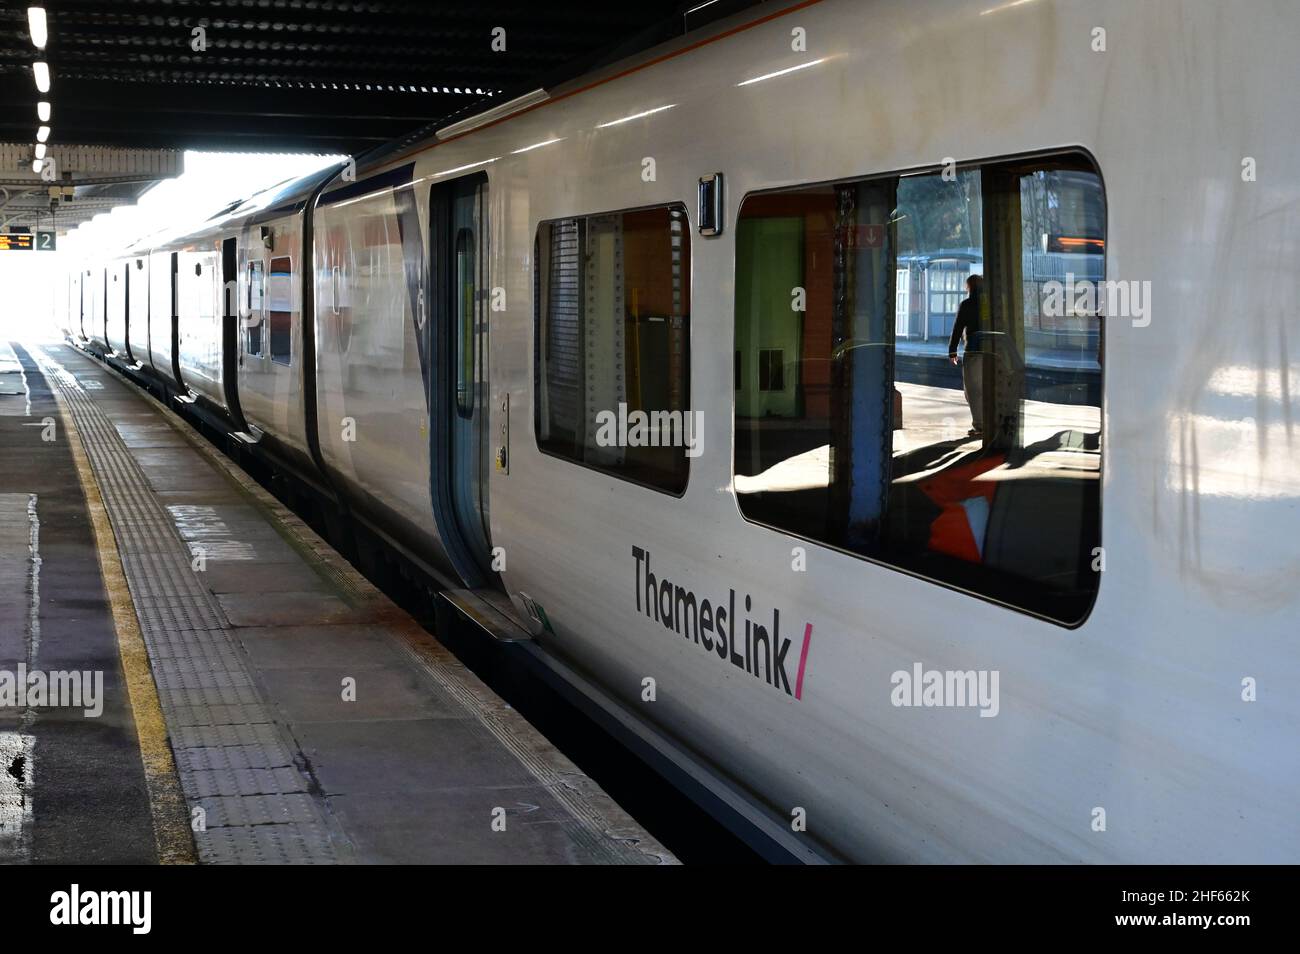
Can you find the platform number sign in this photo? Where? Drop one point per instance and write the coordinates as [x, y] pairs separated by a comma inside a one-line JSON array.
[[46, 241]]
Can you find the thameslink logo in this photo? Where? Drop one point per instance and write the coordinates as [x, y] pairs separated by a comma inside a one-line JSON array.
[[948, 688], [762, 652], [59, 689], [75, 907], [651, 429]]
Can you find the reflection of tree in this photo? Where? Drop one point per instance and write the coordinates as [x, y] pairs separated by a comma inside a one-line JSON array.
[[1061, 202], [935, 214], [1036, 198]]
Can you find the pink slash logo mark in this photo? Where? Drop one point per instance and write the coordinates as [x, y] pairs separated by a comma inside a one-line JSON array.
[[803, 661]]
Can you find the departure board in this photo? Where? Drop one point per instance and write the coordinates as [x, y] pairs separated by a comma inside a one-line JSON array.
[[16, 241]]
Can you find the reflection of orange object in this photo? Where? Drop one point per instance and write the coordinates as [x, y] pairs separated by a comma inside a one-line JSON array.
[[1075, 243], [954, 490]]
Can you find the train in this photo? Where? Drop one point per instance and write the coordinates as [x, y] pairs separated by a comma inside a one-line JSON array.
[[636, 365]]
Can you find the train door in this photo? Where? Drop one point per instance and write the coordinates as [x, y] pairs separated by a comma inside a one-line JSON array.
[[231, 356], [75, 306], [88, 306], [458, 396], [126, 311], [174, 270], [100, 322]]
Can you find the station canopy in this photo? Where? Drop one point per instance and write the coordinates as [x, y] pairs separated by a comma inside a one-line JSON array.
[[102, 97]]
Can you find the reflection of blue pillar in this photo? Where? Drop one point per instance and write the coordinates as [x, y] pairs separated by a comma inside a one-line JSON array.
[[867, 425], [870, 433]]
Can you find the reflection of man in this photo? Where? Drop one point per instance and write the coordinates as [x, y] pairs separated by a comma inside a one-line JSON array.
[[972, 368]]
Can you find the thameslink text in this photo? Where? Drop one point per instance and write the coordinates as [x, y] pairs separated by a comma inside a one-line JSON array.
[[762, 651]]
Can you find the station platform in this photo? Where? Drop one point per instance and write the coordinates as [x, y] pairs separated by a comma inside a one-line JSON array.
[[261, 701]]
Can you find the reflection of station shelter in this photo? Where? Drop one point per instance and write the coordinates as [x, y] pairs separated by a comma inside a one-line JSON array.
[[929, 288]]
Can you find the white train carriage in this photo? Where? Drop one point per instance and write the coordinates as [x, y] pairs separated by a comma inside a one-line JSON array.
[[662, 355]]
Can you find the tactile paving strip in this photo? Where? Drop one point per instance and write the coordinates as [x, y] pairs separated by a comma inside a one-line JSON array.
[[234, 763]]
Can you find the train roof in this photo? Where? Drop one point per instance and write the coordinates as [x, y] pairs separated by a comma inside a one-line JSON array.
[[286, 197]]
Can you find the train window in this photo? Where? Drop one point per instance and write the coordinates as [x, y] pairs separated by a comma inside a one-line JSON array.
[[612, 335], [937, 405], [176, 294], [253, 323], [280, 309], [464, 305]]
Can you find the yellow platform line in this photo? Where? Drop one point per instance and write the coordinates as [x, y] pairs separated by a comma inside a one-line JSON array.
[[172, 835]]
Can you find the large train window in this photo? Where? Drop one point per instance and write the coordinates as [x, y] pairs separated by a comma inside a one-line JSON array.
[[937, 405], [612, 335]]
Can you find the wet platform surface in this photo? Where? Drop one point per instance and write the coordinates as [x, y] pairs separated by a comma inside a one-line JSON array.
[[308, 718], [72, 788]]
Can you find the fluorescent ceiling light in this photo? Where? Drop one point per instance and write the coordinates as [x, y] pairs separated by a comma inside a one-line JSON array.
[[36, 166], [628, 119], [43, 134], [43, 111], [41, 70], [791, 69], [40, 150], [37, 27]]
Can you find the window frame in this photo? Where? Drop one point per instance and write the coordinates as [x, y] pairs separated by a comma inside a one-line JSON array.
[[1062, 154], [464, 250], [261, 323], [689, 344], [270, 274]]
